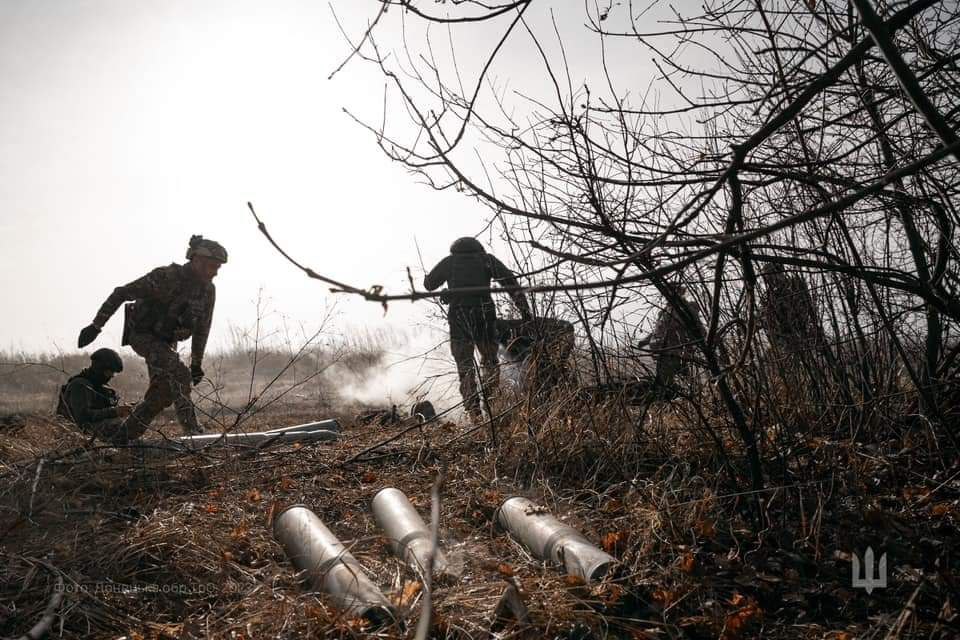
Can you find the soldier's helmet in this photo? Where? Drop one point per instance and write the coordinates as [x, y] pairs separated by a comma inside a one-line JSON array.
[[107, 359], [467, 244], [200, 246]]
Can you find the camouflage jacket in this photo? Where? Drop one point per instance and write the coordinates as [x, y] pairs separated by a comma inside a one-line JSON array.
[[170, 303], [473, 269], [789, 314], [670, 334], [85, 402]]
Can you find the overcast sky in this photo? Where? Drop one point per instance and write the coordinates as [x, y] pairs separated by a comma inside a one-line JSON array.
[[125, 127]]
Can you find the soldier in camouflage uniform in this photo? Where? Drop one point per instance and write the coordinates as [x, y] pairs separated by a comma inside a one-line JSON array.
[[789, 313], [170, 304], [473, 316], [672, 345], [88, 402]]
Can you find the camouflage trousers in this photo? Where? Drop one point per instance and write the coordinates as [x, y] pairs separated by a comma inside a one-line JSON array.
[[462, 350], [169, 384], [113, 430]]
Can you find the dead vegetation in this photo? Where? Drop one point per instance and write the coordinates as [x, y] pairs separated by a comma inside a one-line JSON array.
[[799, 231], [150, 544]]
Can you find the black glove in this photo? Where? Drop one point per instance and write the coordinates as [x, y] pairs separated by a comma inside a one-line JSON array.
[[87, 335], [196, 373]]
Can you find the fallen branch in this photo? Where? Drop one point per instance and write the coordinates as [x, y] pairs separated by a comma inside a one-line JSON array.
[[40, 629]]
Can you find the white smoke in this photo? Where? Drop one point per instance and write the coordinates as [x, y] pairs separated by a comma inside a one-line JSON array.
[[416, 366]]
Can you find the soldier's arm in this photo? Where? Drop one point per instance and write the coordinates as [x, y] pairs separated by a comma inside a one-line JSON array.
[[144, 287], [438, 275], [505, 277], [80, 400], [202, 331]]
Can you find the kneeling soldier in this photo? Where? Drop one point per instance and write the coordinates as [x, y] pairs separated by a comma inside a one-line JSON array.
[[93, 406]]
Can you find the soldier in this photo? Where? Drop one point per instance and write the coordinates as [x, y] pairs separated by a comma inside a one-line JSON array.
[[93, 406], [171, 303], [673, 346], [473, 316], [789, 313]]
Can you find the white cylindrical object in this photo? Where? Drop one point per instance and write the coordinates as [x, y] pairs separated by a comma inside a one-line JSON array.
[[549, 539], [329, 566], [260, 437], [409, 535], [321, 425]]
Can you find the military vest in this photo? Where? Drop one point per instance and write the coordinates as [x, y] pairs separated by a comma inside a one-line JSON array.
[[470, 270], [171, 317], [103, 397]]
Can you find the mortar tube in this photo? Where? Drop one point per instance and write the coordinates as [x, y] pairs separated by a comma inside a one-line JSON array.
[[551, 540], [329, 566], [410, 538], [259, 437], [321, 425]]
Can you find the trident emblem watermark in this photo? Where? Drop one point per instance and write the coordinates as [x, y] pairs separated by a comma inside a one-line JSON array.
[[869, 581]]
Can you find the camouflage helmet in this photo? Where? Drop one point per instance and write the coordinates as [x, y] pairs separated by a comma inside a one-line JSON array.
[[107, 359], [200, 246]]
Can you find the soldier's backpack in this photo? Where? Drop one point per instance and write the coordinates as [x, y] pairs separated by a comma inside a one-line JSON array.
[[63, 408]]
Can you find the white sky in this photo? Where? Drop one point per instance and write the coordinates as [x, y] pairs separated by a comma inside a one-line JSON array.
[[125, 127]]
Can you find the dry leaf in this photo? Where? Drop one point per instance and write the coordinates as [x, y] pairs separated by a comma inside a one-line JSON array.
[[227, 556], [688, 563], [664, 597], [409, 593], [505, 570], [286, 484], [608, 593], [573, 581], [368, 477], [739, 620], [941, 509], [492, 497], [314, 611], [212, 508], [613, 542], [705, 528], [253, 495]]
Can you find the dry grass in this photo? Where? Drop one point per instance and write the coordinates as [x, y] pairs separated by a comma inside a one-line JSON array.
[[150, 544], [186, 541]]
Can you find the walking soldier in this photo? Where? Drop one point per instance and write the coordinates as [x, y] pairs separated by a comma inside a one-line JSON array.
[[170, 304], [473, 316]]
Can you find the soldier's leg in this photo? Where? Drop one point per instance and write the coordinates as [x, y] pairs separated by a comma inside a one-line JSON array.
[[182, 402], [485, 337], [161, 362], [490, 365], [462, 351]]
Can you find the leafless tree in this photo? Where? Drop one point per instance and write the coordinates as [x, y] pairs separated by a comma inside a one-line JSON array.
[[814, 139]]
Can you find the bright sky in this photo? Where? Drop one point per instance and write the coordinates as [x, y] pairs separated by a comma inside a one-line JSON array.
[[125, 127]]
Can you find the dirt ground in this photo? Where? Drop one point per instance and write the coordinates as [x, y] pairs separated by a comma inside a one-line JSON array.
[[148, 543]]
